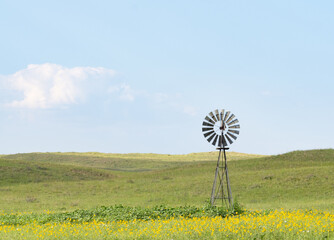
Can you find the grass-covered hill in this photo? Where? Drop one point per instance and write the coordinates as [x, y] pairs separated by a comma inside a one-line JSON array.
[[67, 181], [14, 171], [299, 179], [125, 162]]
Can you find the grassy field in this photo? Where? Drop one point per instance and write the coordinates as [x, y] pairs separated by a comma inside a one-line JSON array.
[[34, 183], [61, 181], [55, 181], [125, 162]]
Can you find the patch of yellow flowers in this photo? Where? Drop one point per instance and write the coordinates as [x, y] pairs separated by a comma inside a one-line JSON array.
[[278, 224]]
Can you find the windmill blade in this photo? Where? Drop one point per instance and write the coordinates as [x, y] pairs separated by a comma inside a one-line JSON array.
[[229, 139], [208, 133], [206, 129], [222, 114], [220, 128], [213, 116], [215, 140], [230, 118], [233, 131], [233, 122], [226, 115], [209, 120], [224, 141], [232, 136], [207, 124], [217, 114], [210, 138]]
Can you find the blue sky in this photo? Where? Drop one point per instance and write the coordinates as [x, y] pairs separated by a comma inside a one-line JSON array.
[[140, 76]]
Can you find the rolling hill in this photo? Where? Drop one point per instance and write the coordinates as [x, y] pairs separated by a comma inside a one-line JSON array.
[[125, 162], [66, 181]]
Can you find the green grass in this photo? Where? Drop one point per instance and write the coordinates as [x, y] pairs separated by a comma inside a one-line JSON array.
[[300, 179], [19, 171], [67, 181], [126, 162], [118, 213]]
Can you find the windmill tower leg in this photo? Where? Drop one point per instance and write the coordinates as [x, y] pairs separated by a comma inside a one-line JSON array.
[[217, 177], [221, 188], [229, 192]]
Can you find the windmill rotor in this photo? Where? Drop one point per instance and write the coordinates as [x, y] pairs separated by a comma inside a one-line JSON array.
[[219, 128]]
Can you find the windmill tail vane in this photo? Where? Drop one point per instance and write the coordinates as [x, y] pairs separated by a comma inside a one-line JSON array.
[[221, 128]]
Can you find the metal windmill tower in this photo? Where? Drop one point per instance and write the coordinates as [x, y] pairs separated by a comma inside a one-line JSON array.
[[219, 128]]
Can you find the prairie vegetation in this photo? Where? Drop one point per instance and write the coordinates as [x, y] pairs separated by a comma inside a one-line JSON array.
[[61, 181], [37, 188]]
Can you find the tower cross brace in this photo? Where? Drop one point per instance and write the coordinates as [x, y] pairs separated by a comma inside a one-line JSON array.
[[221, 188]]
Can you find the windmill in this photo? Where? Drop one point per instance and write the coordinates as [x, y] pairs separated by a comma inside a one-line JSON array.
[[220, 128]]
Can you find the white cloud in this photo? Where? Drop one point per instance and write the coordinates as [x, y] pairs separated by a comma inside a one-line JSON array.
[[163, 100], [125, 92], [51, 85], [42, 86], [158, 100]]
